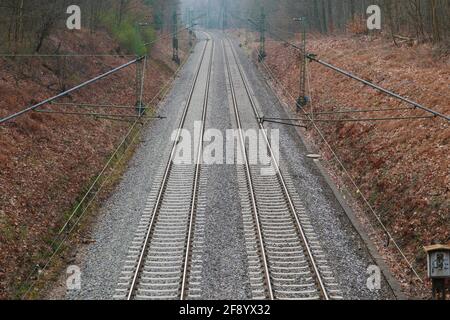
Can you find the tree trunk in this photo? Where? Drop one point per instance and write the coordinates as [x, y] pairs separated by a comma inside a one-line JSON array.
[[435, 22]]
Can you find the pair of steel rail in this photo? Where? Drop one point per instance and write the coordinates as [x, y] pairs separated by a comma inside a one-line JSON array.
[[184, 277], [191, 220]]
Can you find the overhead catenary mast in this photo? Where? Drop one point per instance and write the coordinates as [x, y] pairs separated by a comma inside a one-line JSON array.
[[224, 15], [262, 35], [208, 15], [175, 56], [303, 99], [190, 25]]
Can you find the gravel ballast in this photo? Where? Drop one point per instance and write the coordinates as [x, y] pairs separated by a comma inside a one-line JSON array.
[[344, 247], [101, 262], [224, 265]]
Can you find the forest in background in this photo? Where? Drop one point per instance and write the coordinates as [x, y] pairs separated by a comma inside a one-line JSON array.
[[25, 25], [421, 20]]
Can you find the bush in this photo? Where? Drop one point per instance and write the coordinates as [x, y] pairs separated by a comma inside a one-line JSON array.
[[130, 36]]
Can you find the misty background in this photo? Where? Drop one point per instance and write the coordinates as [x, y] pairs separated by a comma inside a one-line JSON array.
[[424, 20]]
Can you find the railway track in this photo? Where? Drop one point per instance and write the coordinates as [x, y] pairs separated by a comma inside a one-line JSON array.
[[284, 255], [162, 261]]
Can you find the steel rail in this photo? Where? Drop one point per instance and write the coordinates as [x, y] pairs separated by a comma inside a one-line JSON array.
[[282, 181], [360, 111], [196, 179], [314, 58], [166, 36], [416, 105], [89, 114], [249, 179], [65, 93], [377, 87], [165, 179], [347, 173], [352, 119], [89, 203], [119, 119], [287, 123], [87, 105]]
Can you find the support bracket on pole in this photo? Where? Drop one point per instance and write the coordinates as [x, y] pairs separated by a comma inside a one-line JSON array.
[[175, 55], [302, 100], [262, 36]]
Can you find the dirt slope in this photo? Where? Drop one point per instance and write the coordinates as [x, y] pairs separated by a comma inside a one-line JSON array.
[[47, 160], [401, 167]]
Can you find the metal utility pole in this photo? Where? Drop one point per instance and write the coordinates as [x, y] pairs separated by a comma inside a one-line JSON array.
[[175, 56], [247, 29], [262, 36], [140, 78], [208, 15], [192, 24], [191, 32], [224, 15], [303, 99]]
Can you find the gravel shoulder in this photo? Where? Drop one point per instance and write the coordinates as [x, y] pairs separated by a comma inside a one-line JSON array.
[[344, 247], [101, 261]]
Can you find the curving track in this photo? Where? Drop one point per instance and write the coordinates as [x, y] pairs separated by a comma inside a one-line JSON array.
[[285, 258], [159, 261]]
